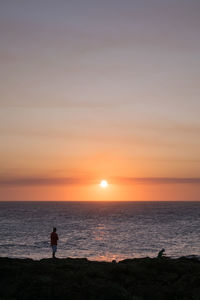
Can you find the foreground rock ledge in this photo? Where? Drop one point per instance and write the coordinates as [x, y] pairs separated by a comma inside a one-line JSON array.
[[134, 279]]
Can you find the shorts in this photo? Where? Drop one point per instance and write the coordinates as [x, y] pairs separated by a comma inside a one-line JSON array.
[[54, 248]]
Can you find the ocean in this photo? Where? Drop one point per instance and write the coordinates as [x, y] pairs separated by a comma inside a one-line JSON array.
[[100, 230]]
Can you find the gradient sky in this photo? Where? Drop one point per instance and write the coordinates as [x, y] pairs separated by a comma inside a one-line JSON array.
[[93, 90]]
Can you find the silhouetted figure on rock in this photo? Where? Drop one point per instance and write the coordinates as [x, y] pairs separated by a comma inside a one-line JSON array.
[[161, 253], [54, 239]]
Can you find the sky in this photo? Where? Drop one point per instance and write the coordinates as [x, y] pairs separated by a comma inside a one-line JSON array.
[[93, 90]]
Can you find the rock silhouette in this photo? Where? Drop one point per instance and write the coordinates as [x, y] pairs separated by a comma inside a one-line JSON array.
[[80, 279]]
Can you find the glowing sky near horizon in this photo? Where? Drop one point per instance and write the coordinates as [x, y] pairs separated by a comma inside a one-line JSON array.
[[94, 90]]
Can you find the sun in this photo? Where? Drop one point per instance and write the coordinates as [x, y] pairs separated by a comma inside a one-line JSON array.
[[103, 184]]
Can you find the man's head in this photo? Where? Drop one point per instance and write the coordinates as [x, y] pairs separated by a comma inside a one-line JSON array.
[[54, 229]]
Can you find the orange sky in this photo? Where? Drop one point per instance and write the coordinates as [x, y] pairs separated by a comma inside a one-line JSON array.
[[95, 90]]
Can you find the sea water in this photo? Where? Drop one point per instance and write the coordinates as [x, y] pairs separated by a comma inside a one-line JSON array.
[[100, 230]]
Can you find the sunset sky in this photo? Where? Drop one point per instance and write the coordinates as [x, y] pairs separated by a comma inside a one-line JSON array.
[[93, 90]]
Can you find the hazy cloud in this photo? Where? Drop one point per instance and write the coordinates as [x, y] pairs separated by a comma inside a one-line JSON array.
[[40, 181], [36, 181], [157, 180]]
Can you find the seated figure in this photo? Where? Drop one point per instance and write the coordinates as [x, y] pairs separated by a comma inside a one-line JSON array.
[[161, 253]]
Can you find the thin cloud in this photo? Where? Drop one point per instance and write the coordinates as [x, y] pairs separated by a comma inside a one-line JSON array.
[[40, 181], [43, 181], [157, 180]]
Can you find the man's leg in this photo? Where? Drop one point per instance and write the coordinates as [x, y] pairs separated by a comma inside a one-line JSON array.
[[54, 249]]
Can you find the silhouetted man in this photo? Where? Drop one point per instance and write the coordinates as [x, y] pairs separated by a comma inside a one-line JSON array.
[[54, 239]]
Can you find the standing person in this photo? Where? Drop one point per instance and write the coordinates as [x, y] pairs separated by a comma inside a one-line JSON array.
[[54, 239]]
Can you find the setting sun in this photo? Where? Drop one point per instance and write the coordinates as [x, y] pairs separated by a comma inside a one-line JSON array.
[[104, 184]]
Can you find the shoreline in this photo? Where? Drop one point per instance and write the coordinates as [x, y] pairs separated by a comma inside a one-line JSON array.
[[82, 279], [189, 257]]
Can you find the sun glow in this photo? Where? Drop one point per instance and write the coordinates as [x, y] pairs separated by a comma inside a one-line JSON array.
[[104, 184]]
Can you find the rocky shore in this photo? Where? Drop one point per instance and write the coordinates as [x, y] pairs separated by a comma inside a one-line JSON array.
[[80, 279]]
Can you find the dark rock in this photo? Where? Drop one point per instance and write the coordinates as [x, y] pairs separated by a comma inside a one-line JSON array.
[[80, 279]]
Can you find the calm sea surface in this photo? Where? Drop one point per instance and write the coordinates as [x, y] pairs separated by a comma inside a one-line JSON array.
[[100, 230]]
